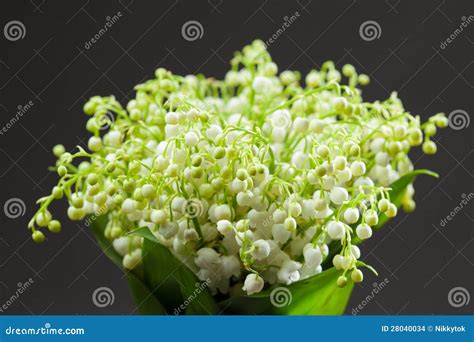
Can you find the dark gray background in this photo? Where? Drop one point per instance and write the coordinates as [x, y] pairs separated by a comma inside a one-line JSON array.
[[421, 259]]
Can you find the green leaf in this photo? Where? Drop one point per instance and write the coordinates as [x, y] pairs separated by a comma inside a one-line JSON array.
[[160, 267], [171, 281], [147, 304], [97, 226], [317, 295], [144, 232]]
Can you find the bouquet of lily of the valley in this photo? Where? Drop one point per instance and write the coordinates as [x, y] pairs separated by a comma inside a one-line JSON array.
[[244, 195]]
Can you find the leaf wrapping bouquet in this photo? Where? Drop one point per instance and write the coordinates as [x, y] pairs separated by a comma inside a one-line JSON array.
[[247, 195]]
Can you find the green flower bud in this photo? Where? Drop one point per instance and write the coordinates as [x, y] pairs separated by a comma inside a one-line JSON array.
[[196, 172], [92, 179], [93, 190], [242, 174], [219, 153], [57, 192], [43, 218], [206, 190], [38, 236], [348, 70], [357, 276], [58, 150], [364, 79], [137, 194], [62, 171], [217, 183], [78, 202], [226, 173], [429, 147], [129, 185], [54, 226], [110, 167], [148, 191], [116, 232], [354, 151], [321, 171], [430, 129], [196, 161], [342, 281], [90, 107]]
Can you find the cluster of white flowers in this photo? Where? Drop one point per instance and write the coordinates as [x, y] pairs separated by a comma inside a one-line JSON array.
[[246, 180]]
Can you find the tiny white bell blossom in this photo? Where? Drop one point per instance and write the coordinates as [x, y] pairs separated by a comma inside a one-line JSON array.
[[351, 215], [280, 233], [133, 259], [364, 231], [358, 168], [230, 266], [312, 255], [262, 85], [338, 195], [335, 230], [261, 249], [222, 212], [207, 258], [253, 284], [288, 272]]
